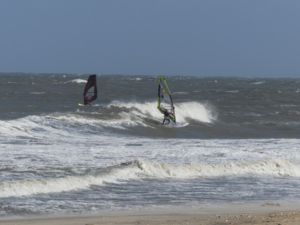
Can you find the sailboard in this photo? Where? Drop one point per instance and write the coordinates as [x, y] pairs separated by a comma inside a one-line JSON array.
[[164, 101], [90, 90]]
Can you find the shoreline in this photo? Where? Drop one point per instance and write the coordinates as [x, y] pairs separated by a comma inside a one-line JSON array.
[[237, 214]]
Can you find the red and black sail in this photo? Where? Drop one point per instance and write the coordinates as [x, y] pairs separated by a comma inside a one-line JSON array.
[[90, 90]]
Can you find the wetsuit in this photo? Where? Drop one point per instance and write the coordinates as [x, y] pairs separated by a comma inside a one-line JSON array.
[[168, 116]]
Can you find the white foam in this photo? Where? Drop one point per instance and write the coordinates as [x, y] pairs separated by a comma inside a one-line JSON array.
[[32, 126], [184, 111], [77, 81], [195, 111], [144, 169], [57, 125], [60, 124], [70, 183], [255, 168], [121, 123], [259, 82]]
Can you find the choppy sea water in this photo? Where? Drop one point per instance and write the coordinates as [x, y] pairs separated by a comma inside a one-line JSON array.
[[236, 140]]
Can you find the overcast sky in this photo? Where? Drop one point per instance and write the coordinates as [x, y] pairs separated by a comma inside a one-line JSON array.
[[172, 37]]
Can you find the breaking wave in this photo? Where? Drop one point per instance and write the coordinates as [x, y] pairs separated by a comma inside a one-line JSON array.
[[118, 115], [140, 169], [184, 111]]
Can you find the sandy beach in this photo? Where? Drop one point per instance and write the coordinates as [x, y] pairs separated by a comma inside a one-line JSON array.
[[283, 218], [266, 214]]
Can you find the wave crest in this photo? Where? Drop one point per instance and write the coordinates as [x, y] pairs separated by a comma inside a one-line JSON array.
[[184, 111], [118, 115], [142, 169]]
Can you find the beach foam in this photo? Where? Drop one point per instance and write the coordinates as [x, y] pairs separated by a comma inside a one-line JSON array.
[[142, 169]]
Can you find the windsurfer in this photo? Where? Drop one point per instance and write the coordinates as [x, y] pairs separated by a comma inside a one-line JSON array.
[[168, 116], [90, 90], [165, 102], [87, 100]]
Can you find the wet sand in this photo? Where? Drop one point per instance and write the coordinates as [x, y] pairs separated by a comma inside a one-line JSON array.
[[267, 214]]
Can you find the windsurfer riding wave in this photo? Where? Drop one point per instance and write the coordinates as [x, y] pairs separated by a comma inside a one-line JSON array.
[[165, 102], [168, 116]]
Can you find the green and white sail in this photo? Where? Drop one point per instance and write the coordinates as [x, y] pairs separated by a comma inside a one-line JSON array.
[[164, 100]]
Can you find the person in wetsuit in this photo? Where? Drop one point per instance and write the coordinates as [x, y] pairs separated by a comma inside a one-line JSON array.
[[168, 116]]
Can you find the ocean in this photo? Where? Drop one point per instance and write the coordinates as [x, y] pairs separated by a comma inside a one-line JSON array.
[[236, 141]]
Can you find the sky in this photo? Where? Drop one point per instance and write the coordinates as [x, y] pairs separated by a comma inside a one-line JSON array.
[[150, 37]]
